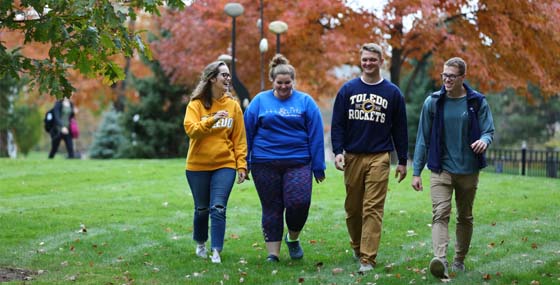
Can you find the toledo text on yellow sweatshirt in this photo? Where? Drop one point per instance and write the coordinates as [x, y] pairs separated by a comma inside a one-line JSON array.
[[215, 144]]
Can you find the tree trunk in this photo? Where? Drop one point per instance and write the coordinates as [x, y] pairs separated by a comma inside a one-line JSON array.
[[4, 143]]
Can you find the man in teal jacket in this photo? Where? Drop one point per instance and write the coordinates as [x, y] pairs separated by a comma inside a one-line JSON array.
[[454, 131]]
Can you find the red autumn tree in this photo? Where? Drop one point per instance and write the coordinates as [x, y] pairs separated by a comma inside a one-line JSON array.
[[507, 44], [318, 39]]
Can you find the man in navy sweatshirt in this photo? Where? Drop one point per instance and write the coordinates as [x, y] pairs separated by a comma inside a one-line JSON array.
[[455, 128], [369, 121]]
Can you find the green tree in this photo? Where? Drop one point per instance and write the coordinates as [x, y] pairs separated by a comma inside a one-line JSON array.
[[517, 120], [153, 127], [108, 137], [81, 34], [10, 88], [27, 127]]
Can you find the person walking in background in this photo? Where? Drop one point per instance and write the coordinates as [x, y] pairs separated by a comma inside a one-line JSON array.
[[369, 117], [454, 131], [285, 146], [63, 112], [217, 149]]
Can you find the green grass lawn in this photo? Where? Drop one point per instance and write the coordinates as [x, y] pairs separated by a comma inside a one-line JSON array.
[[130, 222]]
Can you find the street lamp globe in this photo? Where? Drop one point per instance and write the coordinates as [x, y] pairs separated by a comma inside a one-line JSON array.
[[278, 27], [233, 9]]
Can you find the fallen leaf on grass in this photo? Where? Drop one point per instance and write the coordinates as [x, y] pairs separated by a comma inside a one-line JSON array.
[[234, 236], [241, 280], [491, 245], [274, 272], [389, 267], [300, 280], [534, 246], [242, 260], [82, 229], [535, 282], [486, 276], [411, 233], [226, 277], [312, 241], [64, 263], [337, 270]]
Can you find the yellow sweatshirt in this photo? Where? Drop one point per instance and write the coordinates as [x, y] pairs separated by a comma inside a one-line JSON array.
[[215, 144]]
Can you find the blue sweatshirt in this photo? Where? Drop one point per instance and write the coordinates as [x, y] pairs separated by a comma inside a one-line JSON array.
[[368, 118], [289, 129]]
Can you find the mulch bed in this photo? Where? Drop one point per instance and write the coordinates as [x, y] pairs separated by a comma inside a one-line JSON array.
[[13, 274]]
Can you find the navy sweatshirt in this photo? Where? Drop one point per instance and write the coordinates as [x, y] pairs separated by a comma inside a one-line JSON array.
[[368, 118]]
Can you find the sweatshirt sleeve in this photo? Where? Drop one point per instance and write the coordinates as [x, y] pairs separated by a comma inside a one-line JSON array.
[[399, 129], [486, 123], [422, 138], [239, 139], [315, 132], [194, 126], [250, 118], [338, 123]]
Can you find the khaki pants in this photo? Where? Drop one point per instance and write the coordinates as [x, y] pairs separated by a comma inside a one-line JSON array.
[[441, 188], [366, 178]]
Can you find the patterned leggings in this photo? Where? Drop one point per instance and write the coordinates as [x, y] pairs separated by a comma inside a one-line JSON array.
[[283, 186]]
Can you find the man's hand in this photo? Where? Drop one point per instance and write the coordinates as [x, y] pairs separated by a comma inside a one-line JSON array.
[[417, 183], [401, 169], [479, 146], [339, 162]]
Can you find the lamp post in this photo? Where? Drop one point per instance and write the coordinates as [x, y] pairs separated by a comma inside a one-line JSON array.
[[278, 27], [234, 10], [263, 44]]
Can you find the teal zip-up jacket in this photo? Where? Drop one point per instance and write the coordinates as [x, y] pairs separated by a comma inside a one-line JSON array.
[[452, 154]]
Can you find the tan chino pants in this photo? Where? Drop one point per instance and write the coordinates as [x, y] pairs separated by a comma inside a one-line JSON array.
[[442, 186], [366, 178]]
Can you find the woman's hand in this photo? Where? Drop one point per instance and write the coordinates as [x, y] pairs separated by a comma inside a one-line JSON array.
[[220, 115], [242, 176]]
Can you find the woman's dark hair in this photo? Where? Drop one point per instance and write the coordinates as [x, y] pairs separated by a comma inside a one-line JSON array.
[[203, 90]]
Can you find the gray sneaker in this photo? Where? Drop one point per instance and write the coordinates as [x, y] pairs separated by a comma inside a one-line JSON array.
[[438, 268], [365, 267], [458, 266]]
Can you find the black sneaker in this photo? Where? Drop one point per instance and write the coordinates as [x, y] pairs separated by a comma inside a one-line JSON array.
[[272, 258], [296, 252]]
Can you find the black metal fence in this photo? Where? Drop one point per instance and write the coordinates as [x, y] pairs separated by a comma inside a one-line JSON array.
[[544, 163]]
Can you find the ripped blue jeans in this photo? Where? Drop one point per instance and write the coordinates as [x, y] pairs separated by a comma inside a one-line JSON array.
[[210, 190]]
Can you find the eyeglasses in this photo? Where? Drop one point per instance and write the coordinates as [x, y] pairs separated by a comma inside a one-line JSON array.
[[225, 75], [451, 77]]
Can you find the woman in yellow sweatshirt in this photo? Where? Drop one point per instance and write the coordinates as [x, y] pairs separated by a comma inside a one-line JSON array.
[[217, 150]]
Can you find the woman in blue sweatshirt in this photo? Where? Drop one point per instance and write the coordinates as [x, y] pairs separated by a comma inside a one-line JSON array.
[[285, 148]]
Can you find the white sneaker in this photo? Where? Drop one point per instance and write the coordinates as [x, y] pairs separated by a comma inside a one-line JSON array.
[[216, 256], [365, 267], [201, 250]]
